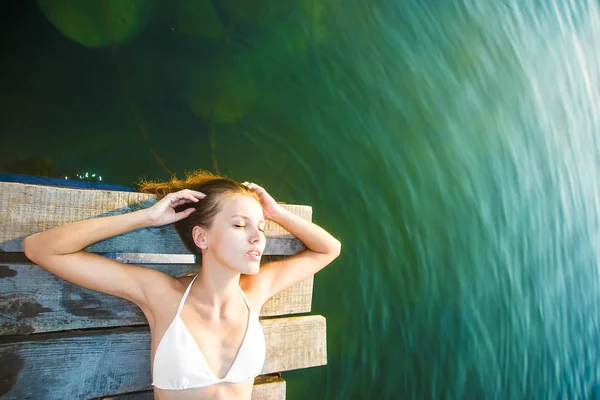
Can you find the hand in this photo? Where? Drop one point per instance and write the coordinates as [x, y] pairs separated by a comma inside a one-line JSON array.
[[163, 212], [270, 207]]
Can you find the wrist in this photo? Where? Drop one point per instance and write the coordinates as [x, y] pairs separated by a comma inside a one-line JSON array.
[[146, 218], [277, 213]]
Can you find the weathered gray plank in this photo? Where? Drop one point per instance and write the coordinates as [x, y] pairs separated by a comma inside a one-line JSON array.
[[32, 300], [83, 365], [145, 395], [28, 209], [266, 387]]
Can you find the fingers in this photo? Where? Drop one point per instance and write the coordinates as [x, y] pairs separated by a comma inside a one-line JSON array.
[[184, 214], [180, 202], [194, 193], [252, 186], [189, 192], [185, 194]]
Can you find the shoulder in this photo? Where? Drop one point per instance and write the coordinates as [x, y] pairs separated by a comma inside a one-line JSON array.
[[168, 285], [161, 290]]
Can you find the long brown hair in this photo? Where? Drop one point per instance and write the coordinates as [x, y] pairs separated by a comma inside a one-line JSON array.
[[215, 187]]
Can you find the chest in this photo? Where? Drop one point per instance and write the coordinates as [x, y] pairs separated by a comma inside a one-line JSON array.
[[218, 341]]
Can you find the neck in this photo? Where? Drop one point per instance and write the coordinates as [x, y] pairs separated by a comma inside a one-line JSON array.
[[216, 285]]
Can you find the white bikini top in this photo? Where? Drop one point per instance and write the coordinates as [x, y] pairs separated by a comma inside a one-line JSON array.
[[179, 363]]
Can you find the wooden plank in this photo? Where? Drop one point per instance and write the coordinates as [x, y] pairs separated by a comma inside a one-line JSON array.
[[32, 300], [266, 387], [295, 342], [28, 209], [93, 364], [144, 395]]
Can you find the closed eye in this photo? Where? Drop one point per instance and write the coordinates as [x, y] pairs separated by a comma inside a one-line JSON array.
[[243, 226]]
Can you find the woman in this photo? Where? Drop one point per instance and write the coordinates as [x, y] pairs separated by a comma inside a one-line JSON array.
[[207, 341]]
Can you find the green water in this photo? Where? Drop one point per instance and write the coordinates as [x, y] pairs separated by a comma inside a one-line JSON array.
[[452, 146]]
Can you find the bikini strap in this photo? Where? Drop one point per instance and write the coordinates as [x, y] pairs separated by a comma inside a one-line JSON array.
[[185, 295], [245, 299]]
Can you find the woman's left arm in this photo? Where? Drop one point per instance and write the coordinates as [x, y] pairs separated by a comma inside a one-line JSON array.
[[321, 250]]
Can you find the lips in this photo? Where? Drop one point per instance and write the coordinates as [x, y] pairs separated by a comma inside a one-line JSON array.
[[254, 254]]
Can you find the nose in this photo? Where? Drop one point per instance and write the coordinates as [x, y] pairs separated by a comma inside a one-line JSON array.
[[255, 236]]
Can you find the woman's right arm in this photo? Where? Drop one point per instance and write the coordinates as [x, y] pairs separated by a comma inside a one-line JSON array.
[[60, 251]]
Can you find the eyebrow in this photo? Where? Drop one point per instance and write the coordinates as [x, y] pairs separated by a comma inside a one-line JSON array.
[[243, 216]]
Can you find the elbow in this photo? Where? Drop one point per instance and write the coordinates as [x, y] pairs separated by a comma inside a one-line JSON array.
[[29, 249], [337, 248]]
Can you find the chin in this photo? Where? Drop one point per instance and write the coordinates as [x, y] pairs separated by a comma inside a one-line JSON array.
[[253, 270], [248, 269]]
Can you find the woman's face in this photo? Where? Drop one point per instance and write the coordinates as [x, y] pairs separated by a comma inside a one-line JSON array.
[[236, 238]]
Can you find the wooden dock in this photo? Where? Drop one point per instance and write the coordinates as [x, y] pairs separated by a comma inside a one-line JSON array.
[[61, 341]]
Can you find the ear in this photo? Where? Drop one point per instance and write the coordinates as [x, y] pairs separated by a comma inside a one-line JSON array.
[[199, 237]]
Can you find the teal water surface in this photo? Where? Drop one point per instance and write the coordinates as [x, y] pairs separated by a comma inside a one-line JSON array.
[[452, 146]]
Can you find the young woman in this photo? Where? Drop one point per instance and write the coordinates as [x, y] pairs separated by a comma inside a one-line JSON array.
[[207, 341]]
